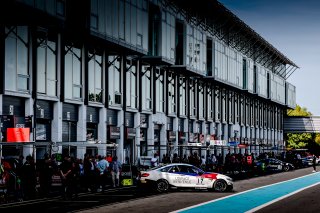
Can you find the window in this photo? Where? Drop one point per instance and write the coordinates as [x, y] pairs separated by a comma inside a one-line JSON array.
[[46, 66], [73, 74], [61, 8], [244, 73], [171, 93], [159, 90], [231, 107], [146, 87], [224, 105], [217, 104], [154, 30], [92, 131], [131, 83], [179, 43], [122, 13], [114, 80], [95, 77], [182, 95], [255, 79], [69, 131], [210, 106], [94, 14], [192, 98], [209, 57], [236, 108], [143, 148], [43, 129], [247, 106], [201, 105], [16, 59]]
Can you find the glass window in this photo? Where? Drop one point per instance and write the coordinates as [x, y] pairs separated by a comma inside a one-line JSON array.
[[92, 131], [247, 111], [224, 106], [69, 131], [146, 87], [94, 14], [210, 106], [95, 77], [171, 93], [192, 97], [159, 90], [43, 130], [231, 107], [201, 100], [60, 7], [73, 74], [236, 108], [121, 19], [46, 67], [217, 105], [131, 83], [143, 148], [183, 96], [16, 58], [114, 80]]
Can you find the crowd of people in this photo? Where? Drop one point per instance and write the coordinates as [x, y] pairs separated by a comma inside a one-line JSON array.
[[230, 163], [27, 179]]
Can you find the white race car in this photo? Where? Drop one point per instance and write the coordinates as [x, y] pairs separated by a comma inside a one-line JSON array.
[[181, 175]]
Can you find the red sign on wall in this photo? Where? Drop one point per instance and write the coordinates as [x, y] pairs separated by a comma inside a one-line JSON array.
[[18, 134]]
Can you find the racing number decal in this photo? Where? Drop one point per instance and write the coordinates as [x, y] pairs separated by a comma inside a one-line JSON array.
[[200, 180]]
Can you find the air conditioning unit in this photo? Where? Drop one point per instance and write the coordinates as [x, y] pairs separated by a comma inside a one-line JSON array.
[[117, 98]]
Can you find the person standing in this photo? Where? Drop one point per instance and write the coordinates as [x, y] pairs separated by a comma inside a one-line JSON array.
[[89, 173], [314, 163], [102, 166], [115, 171], [66, 169], [28, 178], [45, 175], [154, 160]]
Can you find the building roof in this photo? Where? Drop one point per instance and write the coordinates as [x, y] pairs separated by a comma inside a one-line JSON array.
[[215, 18]]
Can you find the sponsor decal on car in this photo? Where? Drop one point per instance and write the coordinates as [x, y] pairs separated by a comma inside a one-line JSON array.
[[182, 180]]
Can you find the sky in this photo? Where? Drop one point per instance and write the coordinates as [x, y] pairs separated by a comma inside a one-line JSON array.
[[293, 28]]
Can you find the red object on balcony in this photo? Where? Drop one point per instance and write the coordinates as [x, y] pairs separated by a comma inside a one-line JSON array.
[[18, 134]]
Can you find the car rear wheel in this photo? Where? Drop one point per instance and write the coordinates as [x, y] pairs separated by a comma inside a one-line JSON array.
[[162, 186], [220, 186]]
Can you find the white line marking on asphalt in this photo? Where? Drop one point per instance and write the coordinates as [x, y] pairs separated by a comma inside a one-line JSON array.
[[280, 198], [222, 198]]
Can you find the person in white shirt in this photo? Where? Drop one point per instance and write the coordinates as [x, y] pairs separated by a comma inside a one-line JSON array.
[[154, 161]]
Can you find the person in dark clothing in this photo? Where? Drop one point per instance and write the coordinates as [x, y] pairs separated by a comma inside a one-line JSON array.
[[28, 178], [45, 175], [314, 163], [175, 158], [66, 172], [89, 173]]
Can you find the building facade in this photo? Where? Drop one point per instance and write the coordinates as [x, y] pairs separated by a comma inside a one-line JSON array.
[[138, 77]]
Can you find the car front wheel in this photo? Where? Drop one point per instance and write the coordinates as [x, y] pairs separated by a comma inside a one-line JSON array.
[[286, 168], [220, 186], [162, 186]]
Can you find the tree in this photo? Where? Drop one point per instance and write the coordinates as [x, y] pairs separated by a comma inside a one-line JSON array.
[[298, 111], [300, 140]]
